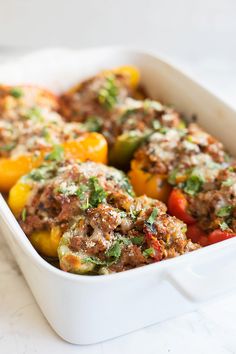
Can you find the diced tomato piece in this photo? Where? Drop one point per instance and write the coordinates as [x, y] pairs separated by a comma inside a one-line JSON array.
[[219, 235], [177, 205], [154, 243]]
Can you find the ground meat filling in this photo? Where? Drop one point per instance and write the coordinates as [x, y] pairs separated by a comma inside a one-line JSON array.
[[29, 121], [95, 97], [179, 152], [142, 118], [215, 206], [105, 228], [105, 104]]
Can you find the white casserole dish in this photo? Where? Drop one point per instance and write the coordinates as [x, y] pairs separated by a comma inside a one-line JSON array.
[[85, 309]]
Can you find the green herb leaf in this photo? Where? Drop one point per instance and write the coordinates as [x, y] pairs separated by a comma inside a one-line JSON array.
[[41, 173], [228, 183], [138, 240], [68, 189], [133, 213], [193, 184], [56, 154], [45, 133], [82, 189], [23, 214], [148, 252], [225, 211], [94, 260], [97, 193], [114, 251], [172, 176], [126, 186], [107, 95], [35, 114], [16, 92], [123, 214], [93, 124], [163, 130], [153, 216], [7, 147]]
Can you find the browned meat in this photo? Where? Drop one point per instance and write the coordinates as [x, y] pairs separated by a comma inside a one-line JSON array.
[[29, 121], [105, 228], [215, 206], [104, 103], [177, 152]]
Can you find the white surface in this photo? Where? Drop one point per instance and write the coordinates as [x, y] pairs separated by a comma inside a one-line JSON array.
[[23, 329]]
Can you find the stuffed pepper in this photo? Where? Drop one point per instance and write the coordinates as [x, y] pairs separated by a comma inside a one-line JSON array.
[[31, 131], [176, 156], [86, 214], [209, 209], [108, 103]]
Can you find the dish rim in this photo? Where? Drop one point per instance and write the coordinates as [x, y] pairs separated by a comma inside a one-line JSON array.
[[24, 243]]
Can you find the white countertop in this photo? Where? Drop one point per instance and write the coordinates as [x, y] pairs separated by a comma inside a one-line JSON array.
[[211, 329]]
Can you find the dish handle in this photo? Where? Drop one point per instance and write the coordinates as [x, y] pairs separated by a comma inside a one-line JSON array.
[[208, 275]]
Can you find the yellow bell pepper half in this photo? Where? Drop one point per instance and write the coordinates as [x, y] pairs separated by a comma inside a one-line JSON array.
[[128, 70], [46, 242], [18, 197], [132, 72]]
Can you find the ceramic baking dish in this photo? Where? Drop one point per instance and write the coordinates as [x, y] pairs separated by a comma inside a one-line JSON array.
[[89, 309]]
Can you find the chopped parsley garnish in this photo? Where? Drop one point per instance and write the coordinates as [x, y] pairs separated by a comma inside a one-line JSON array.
[[16, 92], [224, 226], [126, 115], [97, 193], [56, 154], [172, 176], [137, 240], [35, 114], [68, 190], [23, 214], [114, 251], [153, 216], [45, 134], [123, 214], [193, 184], [94, 260], [224, 211], [7, 147], [41, 173], [228, 183], [149, 252], [134, 213], [163, 130], [112, 254], [125, 185], [81, 191], [107, 95], [93, 124]]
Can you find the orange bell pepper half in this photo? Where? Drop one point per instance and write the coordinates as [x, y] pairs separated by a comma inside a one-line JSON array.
[[90, 146], [153, 185]]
